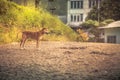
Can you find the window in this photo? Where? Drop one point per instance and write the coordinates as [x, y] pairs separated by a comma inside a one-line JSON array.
[[111, 39], [92, 3], [71, 18], [76, 17], [77, 4], [81, 17]]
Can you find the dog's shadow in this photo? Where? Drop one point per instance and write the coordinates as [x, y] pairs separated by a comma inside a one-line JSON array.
[[74, 48]]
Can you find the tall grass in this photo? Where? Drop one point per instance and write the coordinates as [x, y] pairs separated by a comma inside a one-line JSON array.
[[14, 19]]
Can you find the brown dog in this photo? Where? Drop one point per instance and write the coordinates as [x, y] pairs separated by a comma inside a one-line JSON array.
[[32, 35]]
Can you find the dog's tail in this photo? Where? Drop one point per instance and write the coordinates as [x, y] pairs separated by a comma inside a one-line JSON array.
[[18, 35]]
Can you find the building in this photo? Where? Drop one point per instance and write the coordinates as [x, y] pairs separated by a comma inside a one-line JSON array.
[[112, 32], [77, 11]]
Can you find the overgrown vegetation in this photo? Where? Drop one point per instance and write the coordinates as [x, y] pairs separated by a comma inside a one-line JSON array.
[[109, 9], [107, 12], [14, 19], [92, 27]]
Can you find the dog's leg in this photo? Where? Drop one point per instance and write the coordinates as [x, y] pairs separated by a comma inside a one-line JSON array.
[[21, 42], [24, 42], [37, 44]]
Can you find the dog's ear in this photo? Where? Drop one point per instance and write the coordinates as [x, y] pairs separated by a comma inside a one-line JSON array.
[[44, 29]]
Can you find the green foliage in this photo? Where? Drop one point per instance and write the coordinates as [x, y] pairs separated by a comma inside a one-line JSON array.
[[8, 34], [92, 27], [89, 24], [109, 9], [4, 6], [82, 35], [105, 22], [93, 14], [9, 12], [19, 18]]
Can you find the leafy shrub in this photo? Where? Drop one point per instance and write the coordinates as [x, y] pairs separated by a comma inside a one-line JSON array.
[[92, 28], [89, 24], [8, 35], [82, 35], [105, 22]]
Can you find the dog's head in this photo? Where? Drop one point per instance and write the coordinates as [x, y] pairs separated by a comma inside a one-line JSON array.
[[45, 30]]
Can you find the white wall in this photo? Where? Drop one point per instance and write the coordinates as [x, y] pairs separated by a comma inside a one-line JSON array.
[[83, 11], [63, 18], [112, 32]]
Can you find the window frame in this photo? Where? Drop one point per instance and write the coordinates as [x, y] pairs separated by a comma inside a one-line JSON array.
[[78, 4], [76, 17], [111, 39], [92, 3]]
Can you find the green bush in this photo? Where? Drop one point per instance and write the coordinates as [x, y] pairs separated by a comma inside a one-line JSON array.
[[107, 21], [89, 24]]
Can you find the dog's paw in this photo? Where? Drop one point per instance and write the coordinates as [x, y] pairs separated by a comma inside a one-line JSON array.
[[22, 48], [37, 48]]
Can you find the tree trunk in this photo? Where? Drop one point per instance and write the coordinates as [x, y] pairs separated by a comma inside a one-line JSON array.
[[37, 3]]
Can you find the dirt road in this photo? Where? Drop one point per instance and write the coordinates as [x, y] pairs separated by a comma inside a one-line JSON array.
[[60, 61]]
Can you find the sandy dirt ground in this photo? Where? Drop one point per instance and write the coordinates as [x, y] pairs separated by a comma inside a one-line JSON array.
[[60, 61]]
